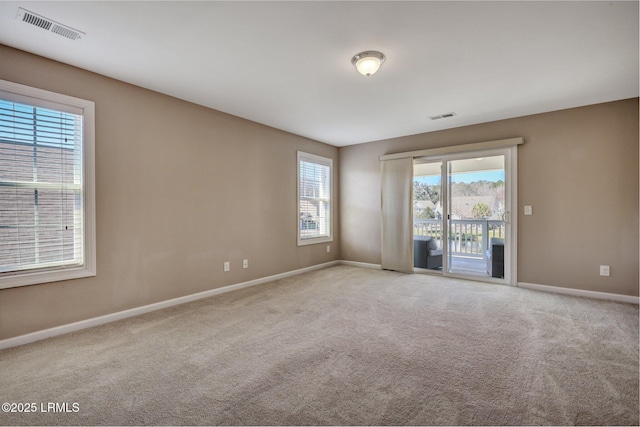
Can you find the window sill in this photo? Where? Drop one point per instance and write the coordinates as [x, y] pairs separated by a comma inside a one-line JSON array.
[[315, 240], [40, 277]]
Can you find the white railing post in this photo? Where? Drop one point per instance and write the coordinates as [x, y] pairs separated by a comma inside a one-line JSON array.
[[485, 239]]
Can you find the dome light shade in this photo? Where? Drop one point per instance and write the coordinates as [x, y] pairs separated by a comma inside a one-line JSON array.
[[368, 62]]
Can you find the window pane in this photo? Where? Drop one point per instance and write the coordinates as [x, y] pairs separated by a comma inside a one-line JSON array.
[[41, 217], [314, 201]]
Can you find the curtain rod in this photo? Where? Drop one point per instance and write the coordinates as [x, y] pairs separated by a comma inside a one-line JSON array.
[[499, 143]]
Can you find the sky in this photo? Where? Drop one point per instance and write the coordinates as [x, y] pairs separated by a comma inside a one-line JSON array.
[[466, 177]]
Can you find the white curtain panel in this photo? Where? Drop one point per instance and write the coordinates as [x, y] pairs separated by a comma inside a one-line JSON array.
[[397, 220]]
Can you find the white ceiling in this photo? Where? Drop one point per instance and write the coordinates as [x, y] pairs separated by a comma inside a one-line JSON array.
[[287, 64]]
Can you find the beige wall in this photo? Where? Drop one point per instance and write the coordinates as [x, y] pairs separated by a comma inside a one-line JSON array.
[[578, 169], [179, 190]]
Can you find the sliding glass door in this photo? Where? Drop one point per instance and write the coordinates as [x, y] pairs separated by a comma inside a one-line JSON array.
[[462, 214]]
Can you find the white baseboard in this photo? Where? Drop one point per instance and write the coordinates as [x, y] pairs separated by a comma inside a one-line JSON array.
[[581, 293], [360, 264], [101, 320]]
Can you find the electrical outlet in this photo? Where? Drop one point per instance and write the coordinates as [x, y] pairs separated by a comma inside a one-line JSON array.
[[604, 270], [328, 248], [227, 266], [245, 263]]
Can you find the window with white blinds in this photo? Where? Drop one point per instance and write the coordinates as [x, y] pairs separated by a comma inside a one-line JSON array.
[[43, 187], [314, 199]]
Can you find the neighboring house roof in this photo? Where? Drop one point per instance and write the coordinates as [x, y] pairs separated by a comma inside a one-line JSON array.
[[462, 206], [423, 204]]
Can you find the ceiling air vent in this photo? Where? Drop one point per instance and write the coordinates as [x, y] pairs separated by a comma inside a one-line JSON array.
[[442, 116], [48, 24]]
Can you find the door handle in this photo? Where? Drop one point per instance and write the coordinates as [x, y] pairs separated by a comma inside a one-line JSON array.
[[506, 217]]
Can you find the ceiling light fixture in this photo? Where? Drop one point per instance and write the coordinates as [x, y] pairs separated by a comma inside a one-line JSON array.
[[368, 62]]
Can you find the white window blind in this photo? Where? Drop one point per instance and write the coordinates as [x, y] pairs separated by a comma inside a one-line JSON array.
[[42, 191], [314, 198]]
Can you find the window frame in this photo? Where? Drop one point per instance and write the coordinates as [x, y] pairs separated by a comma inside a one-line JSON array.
[[15, 92], [323, 161]]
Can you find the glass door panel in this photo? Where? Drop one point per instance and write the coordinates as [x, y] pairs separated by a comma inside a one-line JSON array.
[[476, 213], [428, 215]]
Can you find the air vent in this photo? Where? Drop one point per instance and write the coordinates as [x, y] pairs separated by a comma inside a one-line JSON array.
[[36, 20], [48, 24], [442, 116], [65, 32]]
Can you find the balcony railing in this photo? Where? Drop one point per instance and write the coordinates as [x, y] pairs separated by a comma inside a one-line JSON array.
[[467, 237]]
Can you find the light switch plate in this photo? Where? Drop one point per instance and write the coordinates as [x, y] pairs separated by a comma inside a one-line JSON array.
[[528, 210]]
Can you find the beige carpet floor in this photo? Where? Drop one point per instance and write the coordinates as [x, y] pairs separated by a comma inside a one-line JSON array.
[[342, 346]]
